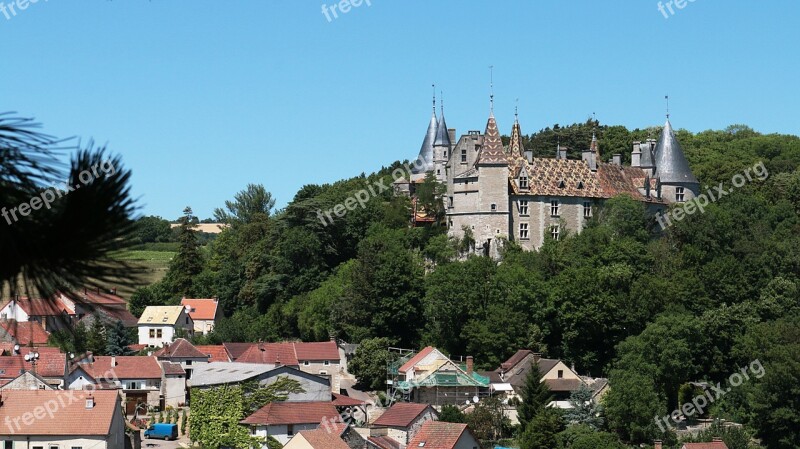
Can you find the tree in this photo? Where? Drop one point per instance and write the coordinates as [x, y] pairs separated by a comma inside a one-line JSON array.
[[535, 396], [118, 340], [249, 205], [152, 229], [69, 239], [581, 436], [370, 362], [633, 402], [96, 340], [542, 431], [184, 422], [583, 409], [451, 413], [80, 338], [188, 262], [488, 420]]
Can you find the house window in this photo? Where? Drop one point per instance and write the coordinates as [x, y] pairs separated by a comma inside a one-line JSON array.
[[587, 209], [523, 182], [438, 171], [188, 363], [554, 232], [77, 447], [554, 208], [187, 320], [8, 444], [464, 156], [327, 363], [679, 195], [306, 363], [445, 154], [323, 373], [523, 231], [450, 201], [494, 207], [38, 447], [158, 333], [561, 374], [152, 333], [133, 386], [290, 430], [523, 207]]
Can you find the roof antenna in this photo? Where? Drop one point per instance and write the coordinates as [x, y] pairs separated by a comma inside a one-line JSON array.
[[491, 90], [666, 97]]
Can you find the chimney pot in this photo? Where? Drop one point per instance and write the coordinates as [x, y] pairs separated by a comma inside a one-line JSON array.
[[470, 364], [657, 444], [716, 440], [537, 356], [617, 159]]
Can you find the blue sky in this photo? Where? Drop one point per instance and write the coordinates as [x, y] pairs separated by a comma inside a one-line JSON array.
[[202, 97]]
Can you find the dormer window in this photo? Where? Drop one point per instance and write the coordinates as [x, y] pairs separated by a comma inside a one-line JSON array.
[[523, 182], [580, 184], [562, 184], [679, 194]]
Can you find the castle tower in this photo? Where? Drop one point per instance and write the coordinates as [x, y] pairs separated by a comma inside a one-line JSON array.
[[493, 202], [678, 183], [442, 147], [424, 162]]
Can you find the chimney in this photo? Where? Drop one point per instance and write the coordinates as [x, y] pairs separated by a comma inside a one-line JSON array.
[[113, 361], [561, 152], [451, 132], [636, 155], [529, 156], [617, 159], [588, 156], [90, 402], [470, 365], [716, 440], [537, 356], [657, 444]]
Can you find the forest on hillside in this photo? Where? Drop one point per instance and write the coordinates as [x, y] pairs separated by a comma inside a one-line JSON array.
[[650, 309]]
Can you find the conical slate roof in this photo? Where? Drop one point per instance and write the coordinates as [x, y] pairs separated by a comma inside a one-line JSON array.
[[442, 136], [515, 146], [426, 151], [671, 164], [492, 151]]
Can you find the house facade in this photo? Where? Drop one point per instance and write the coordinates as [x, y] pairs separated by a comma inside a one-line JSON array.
[[401, 422], [85, 420], [444, 435], [283, 420], [205, 313], [138, 378], [430, 377], [160, 325]]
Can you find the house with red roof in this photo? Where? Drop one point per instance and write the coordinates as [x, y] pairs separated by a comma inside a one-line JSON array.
[[559, 378], [444, 435], [430, 377], [204, 312], [215, 353], [283, 420], [138, 378], [64, 419], [23, 333], [715, 443], [400, 423], [182, 352], [48, 363], [328, 436]]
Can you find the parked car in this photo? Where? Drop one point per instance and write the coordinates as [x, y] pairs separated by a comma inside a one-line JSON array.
[[163, 431]]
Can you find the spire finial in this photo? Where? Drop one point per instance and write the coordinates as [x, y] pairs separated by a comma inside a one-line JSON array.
[[516, 111], [594, 125], [434, 97], [666, 97], [441, 101], [491, 89]]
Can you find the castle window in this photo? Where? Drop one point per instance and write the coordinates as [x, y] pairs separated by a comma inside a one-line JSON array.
[[554, 205], [445, 154], [587, 209], [679, 194], [554, 232], [438, 171], [523, 182], [450, 223], [523, 207], [450, 201], [494, 207], [464, 156], [523, 231], [561, 184]]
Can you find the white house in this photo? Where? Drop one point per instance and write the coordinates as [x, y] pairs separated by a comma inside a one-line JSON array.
[[282, 420], [161, 324], [138, 377], [204, 312], [64, 419]]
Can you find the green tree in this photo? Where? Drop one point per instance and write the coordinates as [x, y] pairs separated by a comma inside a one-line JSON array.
[[188, 262], [581, 436], [542, 431], [118, 340], [370, 362], [633, 402], [96, 340], [584, 410], [534, 396], [451, 413], [80, 338], [184, 422], [253, 203], [152, 229], [488, 420]]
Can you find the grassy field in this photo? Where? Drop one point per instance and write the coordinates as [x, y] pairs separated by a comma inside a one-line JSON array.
[[155, 264]]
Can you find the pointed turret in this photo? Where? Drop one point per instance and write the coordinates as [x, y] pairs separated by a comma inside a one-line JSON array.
[[425, 157], [670, 162], [492, 150], [515, 147], [442, 136], [595, 147]]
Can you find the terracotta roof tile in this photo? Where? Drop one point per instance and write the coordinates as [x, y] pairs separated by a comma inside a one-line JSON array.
[[72, 416], [271, 353], [416, 359], [492, 150], [384, 442], [322, 439], [438, 435], [217, 352], [235, 350], [180, 348], [326, 350], [128, 367], [401, 414], [340, 400], [710, 445], [172, 369], [24, 333], [42, 307], [280, 413], [202, 309]]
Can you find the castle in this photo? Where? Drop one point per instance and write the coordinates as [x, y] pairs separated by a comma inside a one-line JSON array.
[[500, 193]]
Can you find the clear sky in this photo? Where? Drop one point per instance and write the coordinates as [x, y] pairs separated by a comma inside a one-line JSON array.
[[202, 97]]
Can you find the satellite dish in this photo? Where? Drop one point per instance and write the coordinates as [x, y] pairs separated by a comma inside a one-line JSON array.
[[27, 357], [475, 399], [467, 401]]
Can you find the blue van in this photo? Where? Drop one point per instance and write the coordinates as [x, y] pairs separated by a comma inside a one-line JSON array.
[[163, 431]]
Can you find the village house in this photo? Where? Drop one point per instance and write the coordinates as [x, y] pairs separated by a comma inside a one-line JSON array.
[[328, 436], [162, 324], [559, 378], [399, 424], [138, 377], [215, 353], [24, 333], [444, 435], [61, 419], [182, 352], [282, 420], [173, 386], [205, 313], [430, 377], [48, 363], [215, 374], [27, 381]]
